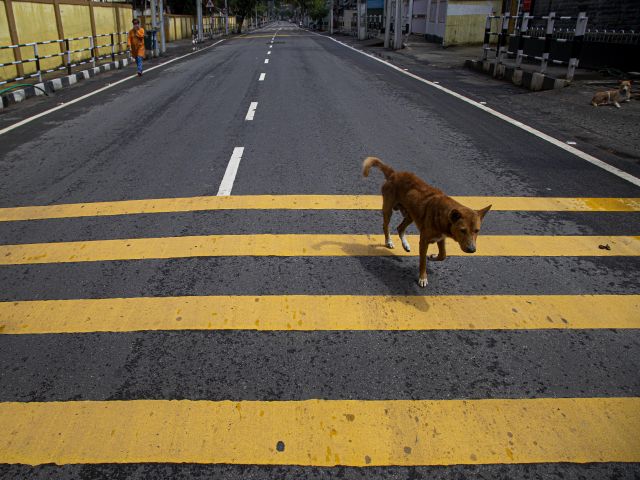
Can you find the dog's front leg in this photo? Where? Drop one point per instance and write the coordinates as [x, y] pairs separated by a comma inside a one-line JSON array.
[[401, 230], [616, 104], [442, 252], [422, 280]]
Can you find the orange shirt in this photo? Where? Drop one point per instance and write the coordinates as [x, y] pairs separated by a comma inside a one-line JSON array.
[[136, 42]]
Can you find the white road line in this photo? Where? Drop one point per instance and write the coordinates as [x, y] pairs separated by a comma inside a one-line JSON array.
[[76, 100], [266, 60], [230, 174], [579, 153], [269, 52], [252, 111], [262, 75]]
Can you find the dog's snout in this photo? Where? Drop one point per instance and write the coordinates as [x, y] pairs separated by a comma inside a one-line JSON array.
[[470, 249]]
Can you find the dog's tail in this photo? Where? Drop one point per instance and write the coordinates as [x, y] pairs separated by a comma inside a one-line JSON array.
[[376, 162]]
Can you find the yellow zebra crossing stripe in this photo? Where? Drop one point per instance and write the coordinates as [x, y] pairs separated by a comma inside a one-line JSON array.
[[322, 432], [305, 245], [301, 202], [243, 37], [326, 312]]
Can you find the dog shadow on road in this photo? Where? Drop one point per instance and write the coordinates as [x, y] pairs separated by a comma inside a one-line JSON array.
[[396, 272]]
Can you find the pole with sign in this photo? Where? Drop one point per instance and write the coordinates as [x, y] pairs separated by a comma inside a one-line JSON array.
[[226, 18], [210, 11], [200, 33]]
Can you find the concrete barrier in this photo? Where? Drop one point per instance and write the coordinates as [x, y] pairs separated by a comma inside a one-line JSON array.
[[23, 21], [532, 80]]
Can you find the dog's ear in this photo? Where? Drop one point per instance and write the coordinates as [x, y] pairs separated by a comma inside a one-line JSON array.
[[484, 211], [455, 215]]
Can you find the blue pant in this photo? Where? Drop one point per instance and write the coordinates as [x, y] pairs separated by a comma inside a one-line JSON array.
[[139, 64]]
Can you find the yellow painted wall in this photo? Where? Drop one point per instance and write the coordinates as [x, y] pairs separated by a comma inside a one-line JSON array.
[[177, 26], [468, 29], [37, 22], [218, 22], [105, 18], [5, 39], [75, 19], [126, 16]]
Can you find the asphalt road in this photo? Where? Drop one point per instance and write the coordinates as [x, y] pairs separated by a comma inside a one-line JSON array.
[[321, 108]]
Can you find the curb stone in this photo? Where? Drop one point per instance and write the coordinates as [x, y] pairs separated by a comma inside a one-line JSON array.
[[533, 81], [55, 84]]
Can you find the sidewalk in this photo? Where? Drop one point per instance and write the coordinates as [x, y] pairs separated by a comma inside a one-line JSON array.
[[564, 113], [55, 82]]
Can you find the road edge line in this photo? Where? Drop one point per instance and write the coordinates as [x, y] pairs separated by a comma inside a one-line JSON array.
[[548, 138], [95, 92]]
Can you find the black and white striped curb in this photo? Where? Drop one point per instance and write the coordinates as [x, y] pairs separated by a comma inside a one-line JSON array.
[[532, 80], [51, 86]]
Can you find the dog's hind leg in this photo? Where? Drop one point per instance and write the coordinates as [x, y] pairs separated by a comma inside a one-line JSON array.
[[387, 211], [422, 280], [442, 252], [406, 221]]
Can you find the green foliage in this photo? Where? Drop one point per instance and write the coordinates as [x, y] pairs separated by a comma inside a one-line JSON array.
[[303, 5], [246, 8], [240, 8], [318, 10], [182, 7]]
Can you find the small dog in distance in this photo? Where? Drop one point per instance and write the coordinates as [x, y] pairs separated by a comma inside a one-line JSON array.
[[623, 94]]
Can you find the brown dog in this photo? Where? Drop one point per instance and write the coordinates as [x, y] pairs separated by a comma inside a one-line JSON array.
[[436, 215], [623, 94]]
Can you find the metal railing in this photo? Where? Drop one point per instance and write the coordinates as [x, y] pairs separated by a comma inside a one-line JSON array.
[[613, 36], [375, 23], [208, 32], [522, 30], [66, 53], [211, 30]]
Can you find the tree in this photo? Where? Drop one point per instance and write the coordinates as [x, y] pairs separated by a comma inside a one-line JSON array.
[[318, 10], [245, 8], [182, 7], [303, 6]]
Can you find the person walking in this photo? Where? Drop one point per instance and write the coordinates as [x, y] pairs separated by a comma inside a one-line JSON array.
[[135, 41]]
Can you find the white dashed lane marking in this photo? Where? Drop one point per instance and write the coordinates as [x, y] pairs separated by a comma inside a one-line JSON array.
[[230, 174], [252, 111]]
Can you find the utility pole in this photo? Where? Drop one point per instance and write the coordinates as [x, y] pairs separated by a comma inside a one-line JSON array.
[[199, 12], [226, 18], [331, 17], [154, 27], [397, 34], [362, 19], [387, 23], [162, 31], [256, 15], [426, 19]]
